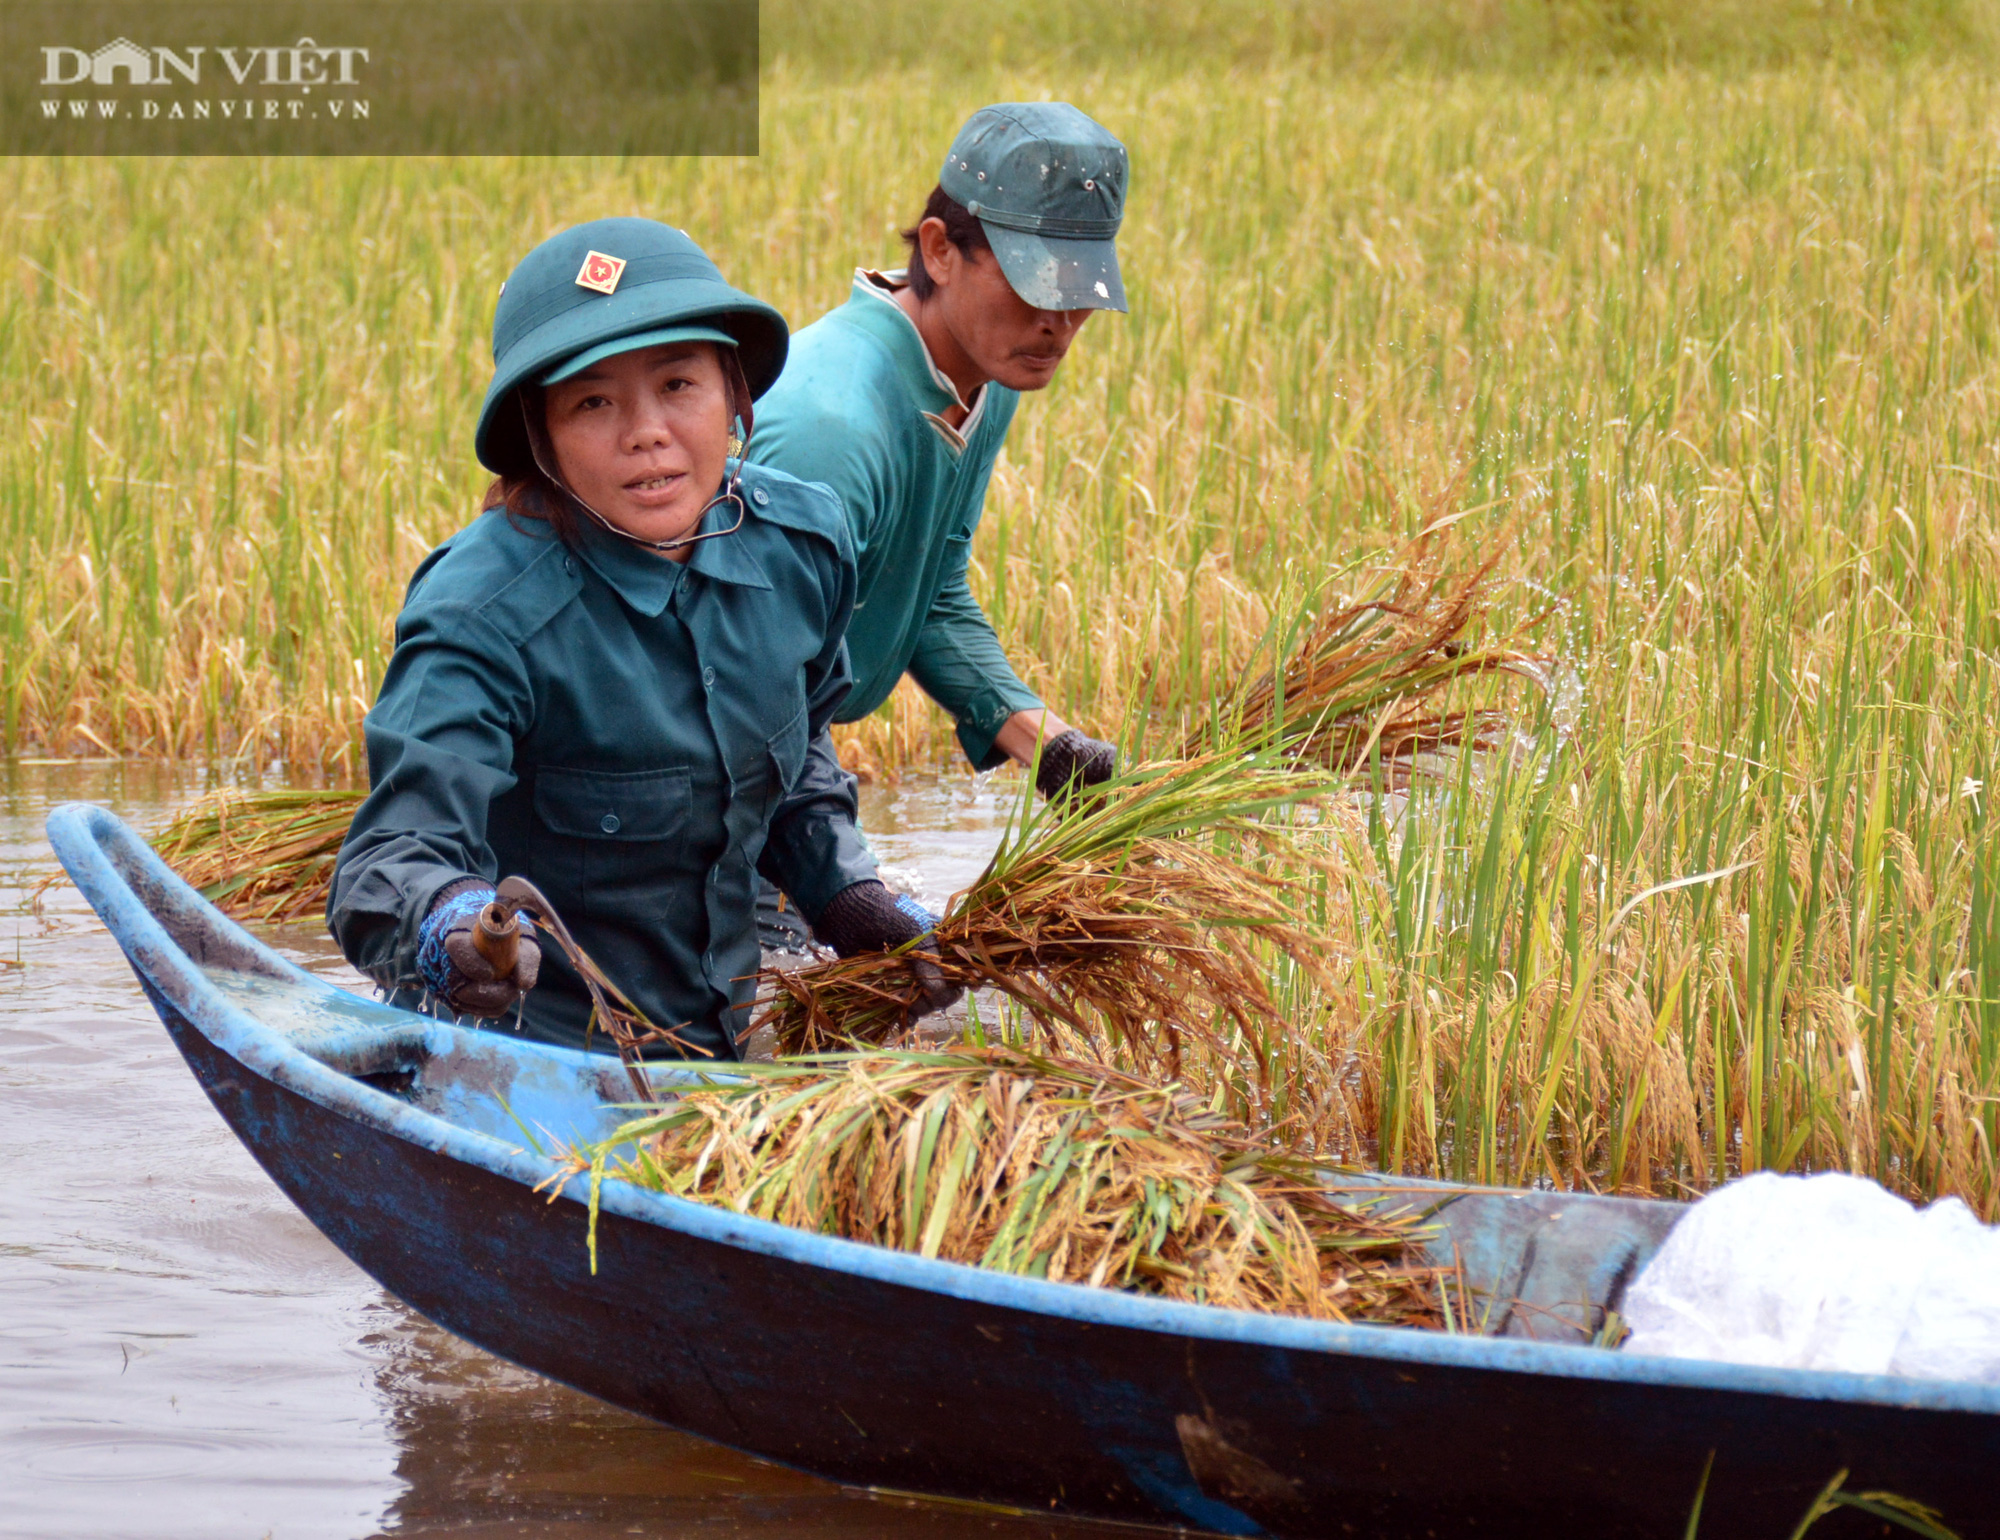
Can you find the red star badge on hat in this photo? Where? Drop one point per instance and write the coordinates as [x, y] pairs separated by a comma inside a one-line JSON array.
[[600, 272]]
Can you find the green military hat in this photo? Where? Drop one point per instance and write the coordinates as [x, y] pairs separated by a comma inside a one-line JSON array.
[[603, 288], [1047, 184]]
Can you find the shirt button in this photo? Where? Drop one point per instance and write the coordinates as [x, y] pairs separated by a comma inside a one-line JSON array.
[[609, 823], [569, 565], [708, 679], [760, 497]]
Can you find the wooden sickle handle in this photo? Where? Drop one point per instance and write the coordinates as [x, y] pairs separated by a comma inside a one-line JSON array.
[[497, 937]]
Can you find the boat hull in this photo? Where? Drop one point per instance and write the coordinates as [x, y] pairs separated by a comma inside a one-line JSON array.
[[884, 1370]]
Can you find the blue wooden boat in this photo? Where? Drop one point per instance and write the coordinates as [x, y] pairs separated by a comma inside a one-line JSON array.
[[416, 1147]]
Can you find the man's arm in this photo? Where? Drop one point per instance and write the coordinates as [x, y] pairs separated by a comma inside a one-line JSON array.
[[1022, 735], [959, 664], [958, 660]]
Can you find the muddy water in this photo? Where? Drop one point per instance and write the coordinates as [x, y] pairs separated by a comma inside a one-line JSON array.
[[181, 1354]]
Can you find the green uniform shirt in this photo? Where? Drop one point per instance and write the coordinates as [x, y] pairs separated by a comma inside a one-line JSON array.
[[638, 737], [858, 407]]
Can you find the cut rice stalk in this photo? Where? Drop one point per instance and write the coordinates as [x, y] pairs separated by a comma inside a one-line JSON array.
[[1134, 915], [1355, 685], [1144, 913], [260, 855], [1041, 1167]]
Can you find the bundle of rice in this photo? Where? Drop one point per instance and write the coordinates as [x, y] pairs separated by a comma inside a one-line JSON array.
[[1041, 1167], [1358, 678], [1148, 911], [1133, 914], [260, 855]]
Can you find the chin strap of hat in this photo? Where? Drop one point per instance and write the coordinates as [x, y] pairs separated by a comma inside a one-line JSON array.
[[744, 417]]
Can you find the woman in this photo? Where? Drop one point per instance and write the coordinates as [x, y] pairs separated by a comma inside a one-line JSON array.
[[617, 680]]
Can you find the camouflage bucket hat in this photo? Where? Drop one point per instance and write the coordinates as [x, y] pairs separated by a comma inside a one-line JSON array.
[[1047, 184]]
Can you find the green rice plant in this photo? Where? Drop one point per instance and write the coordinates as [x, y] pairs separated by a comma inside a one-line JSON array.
[[1701, 357], [1753, 933], [1041, 1167], [1889, 1507]]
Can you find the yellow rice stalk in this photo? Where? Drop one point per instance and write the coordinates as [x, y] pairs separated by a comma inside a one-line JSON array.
[[1135, 916], [1360, 682], [1143, 914], [1040, 1167], [260, 855]]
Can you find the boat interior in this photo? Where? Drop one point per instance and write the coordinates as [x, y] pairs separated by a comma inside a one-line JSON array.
[[1548, 1266]]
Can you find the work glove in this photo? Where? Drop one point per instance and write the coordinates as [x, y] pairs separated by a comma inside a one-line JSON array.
[[867, 917], [1071, 762], [458, 970]]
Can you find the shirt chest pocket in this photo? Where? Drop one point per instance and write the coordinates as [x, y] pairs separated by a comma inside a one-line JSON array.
[[615, 805], [764, 776]]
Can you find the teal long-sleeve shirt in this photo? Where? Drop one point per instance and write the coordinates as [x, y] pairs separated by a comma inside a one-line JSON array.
[[859, 407], [641, 738]]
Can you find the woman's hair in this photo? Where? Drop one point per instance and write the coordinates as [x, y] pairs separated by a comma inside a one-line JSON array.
[[960, 228], [527, 493], [533, 497]]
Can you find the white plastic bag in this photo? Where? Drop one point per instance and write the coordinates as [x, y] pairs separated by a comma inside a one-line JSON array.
[[1824, 1272]]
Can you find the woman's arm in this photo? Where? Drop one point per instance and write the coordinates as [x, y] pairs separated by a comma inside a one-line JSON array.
[[440, 749], [814, 848]]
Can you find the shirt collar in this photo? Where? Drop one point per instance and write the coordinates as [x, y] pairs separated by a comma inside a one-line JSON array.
[[879, 288], [646, 580]]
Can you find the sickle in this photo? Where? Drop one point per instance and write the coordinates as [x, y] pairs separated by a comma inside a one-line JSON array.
[[496, 936], [623, 1022]]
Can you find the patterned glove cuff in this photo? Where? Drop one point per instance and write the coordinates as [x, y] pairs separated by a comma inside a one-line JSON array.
[[918, 915], [432, 962]]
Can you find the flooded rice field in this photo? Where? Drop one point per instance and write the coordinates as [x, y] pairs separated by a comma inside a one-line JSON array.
[[183, 1355]]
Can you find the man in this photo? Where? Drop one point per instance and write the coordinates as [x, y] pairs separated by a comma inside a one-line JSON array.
[[901, 398]]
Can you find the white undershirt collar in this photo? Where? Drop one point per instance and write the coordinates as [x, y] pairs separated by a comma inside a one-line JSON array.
[[883, 286]]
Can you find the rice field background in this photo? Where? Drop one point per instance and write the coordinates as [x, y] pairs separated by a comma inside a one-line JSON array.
[[1683, 315]]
